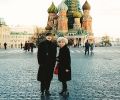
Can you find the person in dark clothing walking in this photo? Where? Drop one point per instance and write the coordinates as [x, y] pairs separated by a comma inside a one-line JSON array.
[[87, 45], [46, 59], [21, 45], [26, 45], [31, 46], [5, 45], [64, 64], [91, 48]]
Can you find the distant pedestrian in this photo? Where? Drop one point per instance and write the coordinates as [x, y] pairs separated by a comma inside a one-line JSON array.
[[21, 45], [87, 45], [5, 45], [91, 48], [28, 46], [25, 46], [64, 64], [46, 59], [31, 46]]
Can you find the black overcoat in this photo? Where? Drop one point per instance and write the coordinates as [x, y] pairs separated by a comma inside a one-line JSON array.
[[64, 60], [87, 45], [46, 59]]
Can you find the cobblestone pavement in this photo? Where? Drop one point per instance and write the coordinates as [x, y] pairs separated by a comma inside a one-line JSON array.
[[94, 77]]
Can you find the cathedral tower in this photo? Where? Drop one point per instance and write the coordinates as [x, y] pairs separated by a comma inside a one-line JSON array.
[[62, 19], [52, 17], [87, 19], [73, 6]]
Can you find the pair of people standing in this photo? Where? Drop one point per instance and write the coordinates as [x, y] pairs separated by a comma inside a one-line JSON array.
[[47, 59], [28, 46], [87, 47]]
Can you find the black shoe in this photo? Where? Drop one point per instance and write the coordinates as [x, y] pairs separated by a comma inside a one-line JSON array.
[[42, 93], [47, 93], [64, 93], [61, 93]]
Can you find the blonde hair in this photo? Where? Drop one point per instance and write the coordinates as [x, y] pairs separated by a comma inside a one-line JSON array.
[[62, 38]]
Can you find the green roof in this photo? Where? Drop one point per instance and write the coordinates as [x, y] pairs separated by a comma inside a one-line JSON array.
[[52, 9]]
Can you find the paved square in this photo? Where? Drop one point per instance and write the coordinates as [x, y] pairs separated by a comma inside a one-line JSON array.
[[94, 77]]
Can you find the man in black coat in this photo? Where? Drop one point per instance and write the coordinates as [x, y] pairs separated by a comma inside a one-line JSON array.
[[46, 59], [5, 45], [87, 45]]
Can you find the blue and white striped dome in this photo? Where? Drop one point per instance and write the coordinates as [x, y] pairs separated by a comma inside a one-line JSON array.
[[62, 6]]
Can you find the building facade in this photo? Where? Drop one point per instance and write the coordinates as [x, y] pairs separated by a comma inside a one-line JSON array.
[[69, 20], [14, 36], [20, 34], [4, 33]]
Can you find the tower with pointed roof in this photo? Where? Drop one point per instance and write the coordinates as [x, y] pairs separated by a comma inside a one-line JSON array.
[[73, 6], [62, 19], [52, 17], [87, 19]]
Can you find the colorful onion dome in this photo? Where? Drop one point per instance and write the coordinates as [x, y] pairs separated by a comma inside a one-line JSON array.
[[52, 9], [86, 6], [62, 6], [77, 14]]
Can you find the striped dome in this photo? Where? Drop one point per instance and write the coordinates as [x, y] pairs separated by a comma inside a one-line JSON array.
[[62, 6]]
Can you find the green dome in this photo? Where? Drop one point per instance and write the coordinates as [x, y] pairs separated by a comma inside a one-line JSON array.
[[86, 6], [52, 9], [77, 14]]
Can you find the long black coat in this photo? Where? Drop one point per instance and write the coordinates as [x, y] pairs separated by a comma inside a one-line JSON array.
[[64, 60], [46, 58], [87, 45]]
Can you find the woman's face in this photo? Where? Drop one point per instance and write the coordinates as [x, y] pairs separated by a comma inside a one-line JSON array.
[[61, 43]]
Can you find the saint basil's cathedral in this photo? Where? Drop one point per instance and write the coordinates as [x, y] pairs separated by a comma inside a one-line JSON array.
[[70, 21]]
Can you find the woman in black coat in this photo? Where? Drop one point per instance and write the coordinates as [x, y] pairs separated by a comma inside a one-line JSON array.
[[64, 60]]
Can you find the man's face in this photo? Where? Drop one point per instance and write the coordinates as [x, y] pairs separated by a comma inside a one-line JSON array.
[[49, 38]]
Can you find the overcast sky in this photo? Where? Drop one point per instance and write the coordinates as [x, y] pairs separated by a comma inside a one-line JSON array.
[[105, 13]]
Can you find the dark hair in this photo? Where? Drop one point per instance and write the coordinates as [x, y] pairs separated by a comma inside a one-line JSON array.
[[48, 34]]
